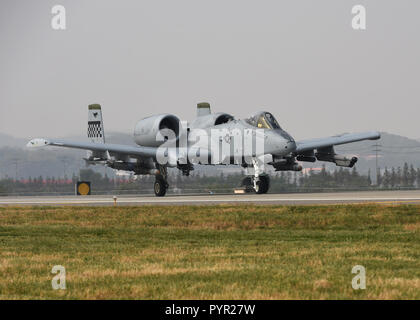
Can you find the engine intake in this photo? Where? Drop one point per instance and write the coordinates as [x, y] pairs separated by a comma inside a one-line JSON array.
[[155, 130]]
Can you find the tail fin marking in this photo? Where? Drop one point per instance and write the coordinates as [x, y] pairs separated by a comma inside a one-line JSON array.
[[95, 130]]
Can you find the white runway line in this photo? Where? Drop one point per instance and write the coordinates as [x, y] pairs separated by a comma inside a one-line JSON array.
[[200, 199]]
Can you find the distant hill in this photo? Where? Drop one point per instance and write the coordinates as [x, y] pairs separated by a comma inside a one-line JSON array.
[[394, 151], [9, 141]]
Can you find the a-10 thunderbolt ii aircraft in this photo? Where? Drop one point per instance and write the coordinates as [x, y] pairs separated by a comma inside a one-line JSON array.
[[210, 139]]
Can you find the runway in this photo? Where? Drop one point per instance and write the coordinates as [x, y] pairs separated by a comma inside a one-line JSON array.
[[385, 197]]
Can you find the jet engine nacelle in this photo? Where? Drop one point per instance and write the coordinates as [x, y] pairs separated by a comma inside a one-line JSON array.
[[211, 120], [155, 130]]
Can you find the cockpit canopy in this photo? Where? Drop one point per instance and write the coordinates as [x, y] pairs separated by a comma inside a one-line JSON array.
[[263, 120]]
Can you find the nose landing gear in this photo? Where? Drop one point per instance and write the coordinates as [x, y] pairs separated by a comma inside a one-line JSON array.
[[258, 185], [262, 184], [259, 181]]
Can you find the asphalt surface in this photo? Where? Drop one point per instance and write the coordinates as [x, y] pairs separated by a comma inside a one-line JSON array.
[[386, 197]]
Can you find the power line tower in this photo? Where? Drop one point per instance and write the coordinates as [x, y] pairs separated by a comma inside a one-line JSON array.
[[15, 161], [376, 150]]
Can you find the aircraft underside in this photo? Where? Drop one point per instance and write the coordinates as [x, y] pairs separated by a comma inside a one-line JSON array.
[[256, 180]]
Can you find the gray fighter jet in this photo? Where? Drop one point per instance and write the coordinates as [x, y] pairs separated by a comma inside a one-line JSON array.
[[255, 143]]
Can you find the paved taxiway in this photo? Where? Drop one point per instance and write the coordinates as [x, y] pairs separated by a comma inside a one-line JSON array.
[[296, 198]]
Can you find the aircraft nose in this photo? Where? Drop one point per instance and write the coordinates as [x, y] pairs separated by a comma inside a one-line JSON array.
[[279, 144], [291, 146]]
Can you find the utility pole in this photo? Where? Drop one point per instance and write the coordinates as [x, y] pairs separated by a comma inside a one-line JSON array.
[[64, 168], [15, 162], [376, 149]]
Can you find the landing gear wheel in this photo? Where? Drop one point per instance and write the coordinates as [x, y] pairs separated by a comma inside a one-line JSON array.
[[262, 185], [247, 184], [160, 187]]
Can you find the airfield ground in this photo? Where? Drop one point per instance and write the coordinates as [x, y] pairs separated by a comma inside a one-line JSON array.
[[226, 251], [384, 197]]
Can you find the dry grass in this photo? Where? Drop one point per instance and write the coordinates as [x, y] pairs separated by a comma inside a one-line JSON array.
[[210, 252]]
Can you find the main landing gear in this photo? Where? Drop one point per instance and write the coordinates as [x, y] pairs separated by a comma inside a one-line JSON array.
[[160, 186], [161, 183]]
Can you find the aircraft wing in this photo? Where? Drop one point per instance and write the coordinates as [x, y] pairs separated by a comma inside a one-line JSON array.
[[311, 144], [96, 147]]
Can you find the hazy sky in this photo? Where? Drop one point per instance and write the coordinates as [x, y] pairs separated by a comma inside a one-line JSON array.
[[301, 60]]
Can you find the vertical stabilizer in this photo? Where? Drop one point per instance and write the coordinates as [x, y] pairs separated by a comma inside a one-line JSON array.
[[95, 124], [203, 109]]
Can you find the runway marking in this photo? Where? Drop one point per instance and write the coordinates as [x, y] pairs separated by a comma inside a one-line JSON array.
[[200, 200]]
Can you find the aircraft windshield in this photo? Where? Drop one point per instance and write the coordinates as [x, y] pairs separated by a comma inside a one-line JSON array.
[[272, 121], [264, 120]]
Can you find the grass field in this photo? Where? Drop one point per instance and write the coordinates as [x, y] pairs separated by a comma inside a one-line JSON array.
[[211, 252]]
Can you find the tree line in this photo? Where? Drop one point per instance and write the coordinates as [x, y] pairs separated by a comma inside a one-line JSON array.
[[198, 182]]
